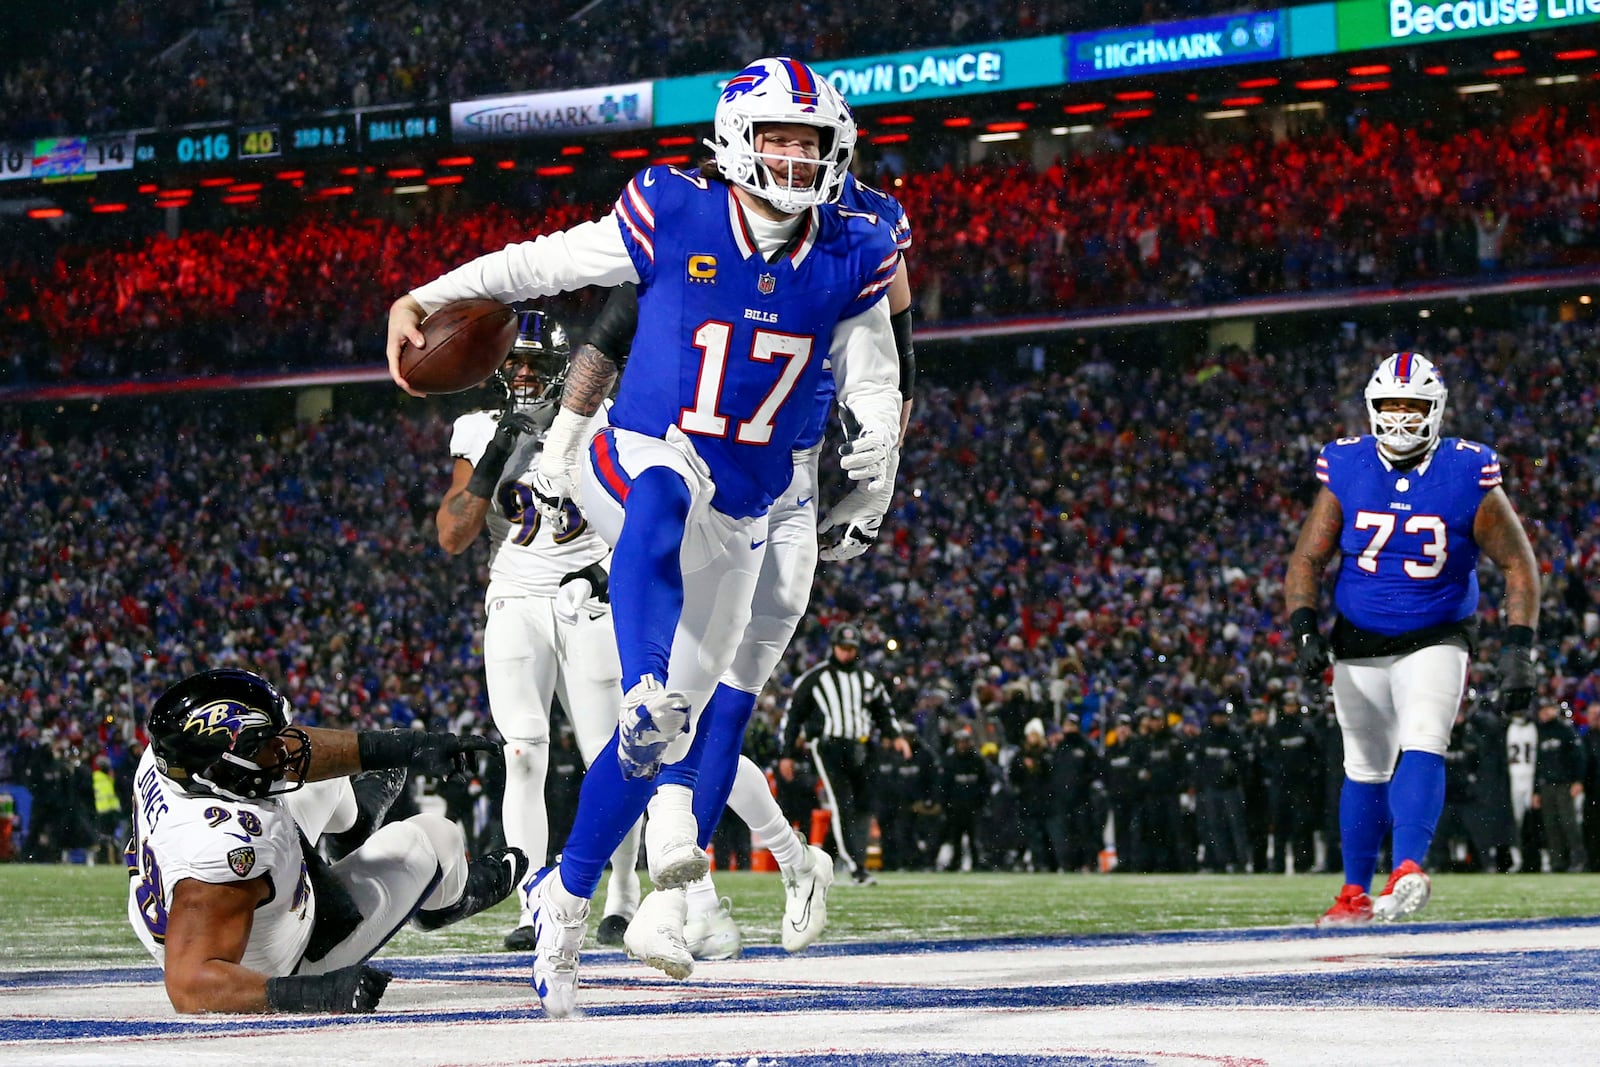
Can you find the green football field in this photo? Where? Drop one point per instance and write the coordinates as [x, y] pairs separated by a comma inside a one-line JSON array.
[[63, 917]]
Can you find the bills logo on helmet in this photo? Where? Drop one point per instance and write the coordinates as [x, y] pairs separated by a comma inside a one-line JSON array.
[[224, 718], [744, 81]]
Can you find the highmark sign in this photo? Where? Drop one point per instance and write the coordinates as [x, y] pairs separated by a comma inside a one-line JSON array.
[[924, 75], [1376, 23], [1171, 46]]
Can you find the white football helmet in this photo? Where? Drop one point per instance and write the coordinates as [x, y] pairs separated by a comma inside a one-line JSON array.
[[787, 91], [1406, 376]]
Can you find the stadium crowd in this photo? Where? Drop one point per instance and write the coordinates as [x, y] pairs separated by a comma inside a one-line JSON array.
[[1151, 225], [132, 65], [1082, 546]]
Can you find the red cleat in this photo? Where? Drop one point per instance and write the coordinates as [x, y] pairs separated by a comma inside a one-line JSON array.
[[1351, 907], [1406, 894]]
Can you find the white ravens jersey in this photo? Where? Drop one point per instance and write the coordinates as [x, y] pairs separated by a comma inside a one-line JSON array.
[[178, 835], [515, 524]]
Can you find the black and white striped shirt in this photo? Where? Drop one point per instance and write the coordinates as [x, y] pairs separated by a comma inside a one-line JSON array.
[[831, 701]]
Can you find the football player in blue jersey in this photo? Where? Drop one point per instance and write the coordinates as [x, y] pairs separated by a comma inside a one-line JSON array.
[[1408, 512], [752, 285]]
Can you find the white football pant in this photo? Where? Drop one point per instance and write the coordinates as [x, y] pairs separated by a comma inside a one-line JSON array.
[[1390, 704]]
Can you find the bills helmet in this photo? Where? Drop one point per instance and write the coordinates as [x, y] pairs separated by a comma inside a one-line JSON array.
[[782, 90], [226, 732], [1406, 376], [536, 367]]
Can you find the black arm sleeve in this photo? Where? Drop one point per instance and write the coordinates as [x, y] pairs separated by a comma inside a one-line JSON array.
[[612, 332], [801, 709], [901, 322]]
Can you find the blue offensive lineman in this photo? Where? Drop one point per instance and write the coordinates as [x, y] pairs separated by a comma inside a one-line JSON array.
[[747, 285], [675, 927], [1409, 513]]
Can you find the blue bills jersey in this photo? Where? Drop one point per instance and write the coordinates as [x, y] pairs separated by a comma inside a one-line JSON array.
[[1409, 559], [887, 210], [731, 348]]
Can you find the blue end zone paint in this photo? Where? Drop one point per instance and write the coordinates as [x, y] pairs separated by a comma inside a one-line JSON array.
[[1554, 980]]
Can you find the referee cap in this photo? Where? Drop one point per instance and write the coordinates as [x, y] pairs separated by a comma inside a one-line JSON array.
[[845, 633]]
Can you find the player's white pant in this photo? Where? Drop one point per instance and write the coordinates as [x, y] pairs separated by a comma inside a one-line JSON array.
[[720, 557], [420, 862], [1389, 704], [529, 658], [783, 587]]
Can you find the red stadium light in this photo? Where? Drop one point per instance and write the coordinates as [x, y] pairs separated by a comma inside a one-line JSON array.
[[109, 209], [349, 172], [1370, 70], [181, 202], [447, 179], [891, 138], [1258, 83], [335, 190], [554, 171], [45, 212], [670, 161], [174, 192], [677, 140], [1137, 113], [572, 150], [1131, 95], [147, 188], [1241, 101], [630, 153], [291, 175], [903, 120], [246, 187], [1312, 85], [404, 172], [1367, 87], [1576, 54], [958, 122], [214, 183], [456, 161], [1006, 127], [1437, 71], [240, 198], [1083, 109], [1026, 105], [1505, 72], [507, 164], [1505, 55]]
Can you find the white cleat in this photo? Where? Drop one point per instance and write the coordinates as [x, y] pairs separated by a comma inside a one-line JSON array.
[[713, 935], [558, 937], [656, 933], [672, 849], [805, 904]]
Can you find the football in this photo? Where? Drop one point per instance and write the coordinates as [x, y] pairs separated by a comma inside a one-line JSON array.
[[465, 342]]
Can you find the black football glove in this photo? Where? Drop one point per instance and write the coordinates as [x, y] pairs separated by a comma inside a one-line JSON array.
[[486, 474], [1312, 653], [353, 989], [1518, 679], [434, 755]]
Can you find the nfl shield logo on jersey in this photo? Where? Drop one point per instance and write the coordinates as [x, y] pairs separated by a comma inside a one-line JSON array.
[[767, 283], [241, 860]]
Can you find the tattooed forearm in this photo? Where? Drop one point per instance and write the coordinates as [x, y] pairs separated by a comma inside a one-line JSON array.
[[590, 376], [1319, 540], [1500, 535]]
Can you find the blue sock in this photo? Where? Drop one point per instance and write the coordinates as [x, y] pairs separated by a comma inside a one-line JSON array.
[[1363, 822], [1416, 797], [686, 772], [647, 575], [722, 724], [608, 806]]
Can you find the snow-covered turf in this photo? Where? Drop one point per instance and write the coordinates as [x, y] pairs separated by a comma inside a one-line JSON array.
[[1464, 994]]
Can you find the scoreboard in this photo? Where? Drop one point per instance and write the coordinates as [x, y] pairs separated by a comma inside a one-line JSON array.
[[66, 157]]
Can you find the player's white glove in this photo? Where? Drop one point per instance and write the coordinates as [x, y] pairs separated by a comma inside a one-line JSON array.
[[554, 481], [861, 514], [576, 589], [651, 720], [864, 456]]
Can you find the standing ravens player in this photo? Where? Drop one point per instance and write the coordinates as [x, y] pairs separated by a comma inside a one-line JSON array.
[[751, 286], [536, 649], [224, 887], [1409, 512]]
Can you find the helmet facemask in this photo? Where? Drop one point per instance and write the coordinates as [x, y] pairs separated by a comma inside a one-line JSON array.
[[1406, 376], [226, 733], [782, 92], [536, 368]]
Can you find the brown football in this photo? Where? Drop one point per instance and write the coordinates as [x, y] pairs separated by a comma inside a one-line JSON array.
[[465, 342]]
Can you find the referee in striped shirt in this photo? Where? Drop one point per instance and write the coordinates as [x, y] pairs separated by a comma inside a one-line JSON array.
[[837, 705]]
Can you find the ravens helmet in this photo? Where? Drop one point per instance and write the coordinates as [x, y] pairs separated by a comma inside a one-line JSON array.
[[533, 372], [214, 732]]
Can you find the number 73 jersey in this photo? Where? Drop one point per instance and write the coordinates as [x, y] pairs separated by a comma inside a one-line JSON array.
[[1409, 560]]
